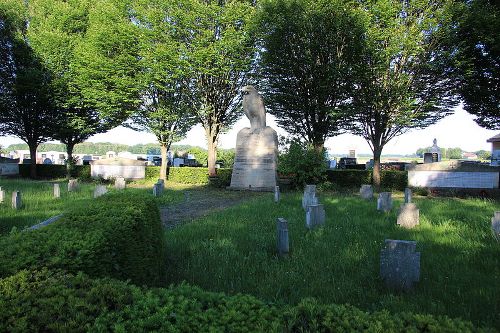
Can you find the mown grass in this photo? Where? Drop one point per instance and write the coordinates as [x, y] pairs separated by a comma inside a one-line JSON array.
[[39, 203], [235, 251]]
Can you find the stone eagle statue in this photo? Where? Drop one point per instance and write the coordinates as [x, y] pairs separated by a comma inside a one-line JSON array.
[[253, 107]]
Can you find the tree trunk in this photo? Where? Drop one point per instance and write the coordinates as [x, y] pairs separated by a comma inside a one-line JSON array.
[[164, 161], [377, 152], [70, 163], [318, 146], [212, 154], [32, 148]]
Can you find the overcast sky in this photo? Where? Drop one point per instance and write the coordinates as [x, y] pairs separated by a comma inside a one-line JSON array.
[[457, 130]]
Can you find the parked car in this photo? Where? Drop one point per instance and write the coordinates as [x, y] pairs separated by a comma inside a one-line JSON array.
[[344, 162]]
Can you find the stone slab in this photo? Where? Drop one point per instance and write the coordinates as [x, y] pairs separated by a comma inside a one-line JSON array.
[[72, 185], [277, 194], [366, 192], [315, 216], [100, 190], [400, 264], [57, 191], [282, 239], [309, 197], [408, 195], [495, 225], [120, 183], [451, 179], [384, 201], [408, 216], [44, 223], [16, 200]]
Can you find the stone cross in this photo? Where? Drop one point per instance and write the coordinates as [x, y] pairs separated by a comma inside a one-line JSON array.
[[282, 236], [407, 195], [158, 189], [309, 197], [400, 264], [495, 225], [276, 194], [100, 190], [315, 216], [366, 192], [16, 200], [2, 195], [120, 183], [57, 191], [408, 215], [384, 201], [72, 185]]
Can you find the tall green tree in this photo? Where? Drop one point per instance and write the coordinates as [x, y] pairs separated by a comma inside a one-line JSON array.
[[26, 107], [403, 80], [309, 52]]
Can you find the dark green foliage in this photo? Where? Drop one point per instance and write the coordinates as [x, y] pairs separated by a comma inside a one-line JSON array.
[[223, 178], [390, 180], [152, 172], [302, 163], [54, 171], [56, 301], [188, 175], [118, 235]]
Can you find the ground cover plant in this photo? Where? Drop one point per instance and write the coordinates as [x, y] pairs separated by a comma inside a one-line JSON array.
[[234, 251]]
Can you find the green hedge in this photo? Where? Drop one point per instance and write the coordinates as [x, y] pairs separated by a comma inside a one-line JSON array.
[[390, 180], [188, 175], [152, 172], [223, 178], [116, 235], [53, 171], [42, 301]]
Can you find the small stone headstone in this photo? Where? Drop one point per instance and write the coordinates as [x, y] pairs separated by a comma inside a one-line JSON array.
[[282, 236], [408, 215], [57, 191], [16, 200], [384, 201], [407, 195], [400, 264], [162, 182], [72, 185], [100, 190], [366, 192], [315, 216], [120, 183], [157, 189], [276, 194], [2, 195], [309, 197], [495, 225]]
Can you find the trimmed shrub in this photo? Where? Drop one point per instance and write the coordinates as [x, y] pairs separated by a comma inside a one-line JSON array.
[[116, 235], [54, 171], [390, 180], [152, 172], [188, 175], [47, 300], [223, 178]]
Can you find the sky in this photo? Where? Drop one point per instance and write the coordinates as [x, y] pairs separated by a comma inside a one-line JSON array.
[[456, 130]]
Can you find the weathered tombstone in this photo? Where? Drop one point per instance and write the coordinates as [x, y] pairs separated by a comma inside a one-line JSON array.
[[309, 197], [120, 183], [162, 182], [276, 194], [100, 190], [315, 216], [72, 185], [399, 264], [157, 189], [366, 192], [408, 195], [282, 236], [384, 201], [57, 191], [408, 215], [2, 195], [16, 200], [495, 225]]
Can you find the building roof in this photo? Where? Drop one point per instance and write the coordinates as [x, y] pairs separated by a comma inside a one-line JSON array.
[[496, 138]]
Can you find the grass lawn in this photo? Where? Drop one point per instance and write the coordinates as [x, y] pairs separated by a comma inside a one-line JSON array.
[[235, 251]]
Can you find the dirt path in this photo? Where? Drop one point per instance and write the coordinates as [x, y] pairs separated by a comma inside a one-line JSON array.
[[198, 203]]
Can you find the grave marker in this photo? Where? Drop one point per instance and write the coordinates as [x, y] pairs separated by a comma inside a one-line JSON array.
[[408, 195], [2, 195], [57, 191], [399, 264], [157, 189], [384, 201], [309, 197], [282, 236], [315, 216], [366, 192], [276, 194], [16, 200], [408, 215], [495, 225], [100, 190], [120, 183], [72, 185]]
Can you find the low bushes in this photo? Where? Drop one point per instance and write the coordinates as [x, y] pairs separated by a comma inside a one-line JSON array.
[[53, 171], [188, 175], [390, 180], [115, 235], [152, 172], [56, 301]]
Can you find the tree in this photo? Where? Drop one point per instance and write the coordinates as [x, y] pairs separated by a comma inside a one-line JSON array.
[[219, 50], [309, 51], [165, 107], [454, 153], [474, 47], [26, 107], [403, 81]]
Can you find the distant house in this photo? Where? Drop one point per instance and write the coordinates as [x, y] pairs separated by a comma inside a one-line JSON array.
[[495, 149]]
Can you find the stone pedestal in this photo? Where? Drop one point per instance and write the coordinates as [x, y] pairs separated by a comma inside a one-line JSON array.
[[384, 202], [408, 195], [366, 192], [16, 200], [57, 191], [282, 236], [408, 215], [120, 183], [400, 264], [276, 194], [72, 185], [309, 197], [100, 190], [495, 225], [315, 216]]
